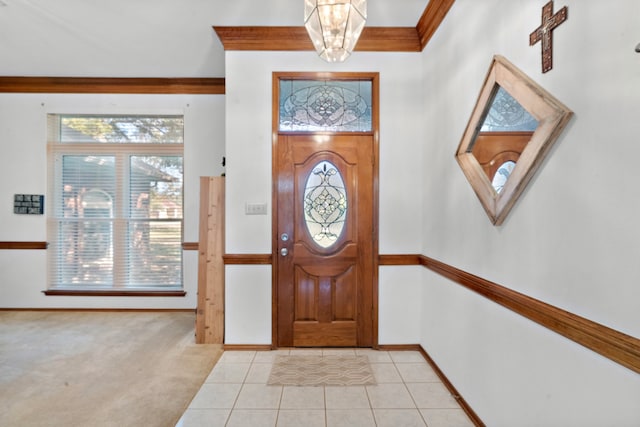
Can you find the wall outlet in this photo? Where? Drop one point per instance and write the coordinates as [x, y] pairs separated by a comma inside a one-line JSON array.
[[255, 209]]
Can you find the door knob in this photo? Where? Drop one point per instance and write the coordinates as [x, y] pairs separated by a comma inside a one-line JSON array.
[[284, 251], [284, 237]]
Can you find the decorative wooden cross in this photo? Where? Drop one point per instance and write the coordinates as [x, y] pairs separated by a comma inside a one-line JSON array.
[[544, 33]]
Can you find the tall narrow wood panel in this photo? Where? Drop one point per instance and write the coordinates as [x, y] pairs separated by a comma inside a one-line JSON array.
[[210, 311]]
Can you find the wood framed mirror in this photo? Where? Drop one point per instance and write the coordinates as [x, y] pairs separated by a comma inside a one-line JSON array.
[[512, 127]]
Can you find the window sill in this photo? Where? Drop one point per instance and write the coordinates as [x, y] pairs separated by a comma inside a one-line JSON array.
[[113, 293]]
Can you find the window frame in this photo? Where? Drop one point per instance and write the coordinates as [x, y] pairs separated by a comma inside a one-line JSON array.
[[122, 153]]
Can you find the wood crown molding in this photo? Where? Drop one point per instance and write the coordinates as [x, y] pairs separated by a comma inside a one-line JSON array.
[[431, 19], [116, 85], [373, 39]]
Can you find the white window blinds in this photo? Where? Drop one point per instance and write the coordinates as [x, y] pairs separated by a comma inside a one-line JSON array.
[[115, 202]]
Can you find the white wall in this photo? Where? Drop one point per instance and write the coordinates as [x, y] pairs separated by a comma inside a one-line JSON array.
[[572, 238], [249, 143], [399, 293], [23, 128]]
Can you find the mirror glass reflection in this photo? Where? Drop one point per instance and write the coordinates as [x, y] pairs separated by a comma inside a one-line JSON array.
[[505, 132], [511, 130]]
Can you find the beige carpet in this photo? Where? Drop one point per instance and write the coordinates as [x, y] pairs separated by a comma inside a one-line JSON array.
[[321, 370], [95, 369]]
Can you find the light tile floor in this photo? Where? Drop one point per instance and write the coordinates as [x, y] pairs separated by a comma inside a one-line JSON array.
[[408, 393]]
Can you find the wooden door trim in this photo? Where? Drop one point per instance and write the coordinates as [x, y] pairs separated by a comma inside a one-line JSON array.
[[375, 123]]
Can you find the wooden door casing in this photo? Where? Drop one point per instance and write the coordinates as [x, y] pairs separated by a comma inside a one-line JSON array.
[[325, 296]]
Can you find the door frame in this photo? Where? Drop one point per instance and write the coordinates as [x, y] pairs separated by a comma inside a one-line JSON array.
[[375, 132]]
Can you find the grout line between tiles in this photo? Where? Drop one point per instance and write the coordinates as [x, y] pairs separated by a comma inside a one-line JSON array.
[[256, 360]]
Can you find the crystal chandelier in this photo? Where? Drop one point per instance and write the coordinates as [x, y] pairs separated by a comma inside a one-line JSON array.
[[334, 26]]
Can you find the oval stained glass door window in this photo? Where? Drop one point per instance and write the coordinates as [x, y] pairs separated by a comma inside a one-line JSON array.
[[325, 204], [502, 174]]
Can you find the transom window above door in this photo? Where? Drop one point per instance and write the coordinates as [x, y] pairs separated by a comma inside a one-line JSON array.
[[325, 105]]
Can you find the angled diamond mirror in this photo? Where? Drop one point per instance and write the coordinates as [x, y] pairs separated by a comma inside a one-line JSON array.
[[512, 127]]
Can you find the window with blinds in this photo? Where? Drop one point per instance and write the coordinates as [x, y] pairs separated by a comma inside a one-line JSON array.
[[115, 202]]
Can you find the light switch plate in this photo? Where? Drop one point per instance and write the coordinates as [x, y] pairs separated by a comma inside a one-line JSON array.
[[255, 209]]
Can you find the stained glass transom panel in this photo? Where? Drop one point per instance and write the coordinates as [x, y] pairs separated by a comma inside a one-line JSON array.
[[325, 204], [325, 105], [506, 114]]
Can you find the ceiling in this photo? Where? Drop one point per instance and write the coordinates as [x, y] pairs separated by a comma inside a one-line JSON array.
[[146, 38]]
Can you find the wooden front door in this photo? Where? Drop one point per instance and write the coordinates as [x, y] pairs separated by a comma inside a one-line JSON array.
[[324, 240]]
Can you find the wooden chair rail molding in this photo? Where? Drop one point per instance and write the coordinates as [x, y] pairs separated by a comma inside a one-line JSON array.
[[23, 245], [190, 246], [615, 345], [186, 246], [146, 85], [235, 259], [247, 259]]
